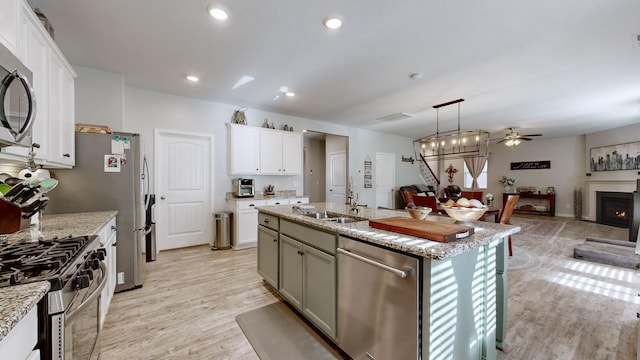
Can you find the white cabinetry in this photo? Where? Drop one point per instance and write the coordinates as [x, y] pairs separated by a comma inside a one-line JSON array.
[[62, 112], [108, 240], [53, 83], [20, 341], [245, 222], [9, 24], [258, 151], [244, 149], [280, 153]]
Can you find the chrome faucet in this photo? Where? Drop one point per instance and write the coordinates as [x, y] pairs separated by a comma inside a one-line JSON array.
[[353, 203]]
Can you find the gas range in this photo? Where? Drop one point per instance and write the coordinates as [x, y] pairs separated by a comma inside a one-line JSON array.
[[44, 260], [75, 268]]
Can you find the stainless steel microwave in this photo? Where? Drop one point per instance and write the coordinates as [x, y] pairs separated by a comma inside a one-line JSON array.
[[17, 101]]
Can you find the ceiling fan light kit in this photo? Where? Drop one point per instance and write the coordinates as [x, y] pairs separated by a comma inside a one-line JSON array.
[[453, 144], [514, 139]]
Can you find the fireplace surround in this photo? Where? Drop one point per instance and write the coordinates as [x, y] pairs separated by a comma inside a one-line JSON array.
[[614, 208]]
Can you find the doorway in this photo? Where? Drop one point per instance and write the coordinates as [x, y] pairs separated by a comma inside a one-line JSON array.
[[317, 163], [183, 163], [385, 179]]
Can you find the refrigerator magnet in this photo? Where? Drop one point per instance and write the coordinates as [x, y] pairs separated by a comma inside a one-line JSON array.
[[111, 163]]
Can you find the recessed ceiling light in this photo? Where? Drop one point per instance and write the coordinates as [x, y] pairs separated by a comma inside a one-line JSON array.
[[193, 78], [217, 13], [332, 22], [290, 94]]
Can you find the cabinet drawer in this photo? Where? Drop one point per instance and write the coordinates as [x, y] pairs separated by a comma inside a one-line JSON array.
[[249, 204], [319, 239], [302, 200], [277, 202], [270, 221], [106, 231]]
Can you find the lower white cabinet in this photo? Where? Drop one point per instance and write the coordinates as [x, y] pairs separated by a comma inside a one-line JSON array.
[[19, 343], [108, 240], [268, 247], [245, 218], [245, 222]]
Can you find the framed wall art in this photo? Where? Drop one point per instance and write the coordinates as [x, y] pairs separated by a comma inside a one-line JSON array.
[[615, 157]]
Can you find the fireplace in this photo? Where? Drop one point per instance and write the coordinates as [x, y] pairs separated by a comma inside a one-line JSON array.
[[614, 208]]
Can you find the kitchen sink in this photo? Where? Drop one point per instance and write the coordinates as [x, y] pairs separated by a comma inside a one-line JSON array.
[[334, 217]]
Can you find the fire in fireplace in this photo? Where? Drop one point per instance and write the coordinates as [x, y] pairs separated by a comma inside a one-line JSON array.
[[614, 208]]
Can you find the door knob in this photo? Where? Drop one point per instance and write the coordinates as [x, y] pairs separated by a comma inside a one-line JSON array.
[[162, 198]]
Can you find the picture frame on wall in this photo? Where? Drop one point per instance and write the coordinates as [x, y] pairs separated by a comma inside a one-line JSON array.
[[615, 157]]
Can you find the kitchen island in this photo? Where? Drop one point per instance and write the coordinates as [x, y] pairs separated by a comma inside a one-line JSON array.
[[462, 293]]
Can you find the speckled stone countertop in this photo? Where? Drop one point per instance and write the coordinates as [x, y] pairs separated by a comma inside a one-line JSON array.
[[17, 300], [485, 232], [62, 225], [260, 196]]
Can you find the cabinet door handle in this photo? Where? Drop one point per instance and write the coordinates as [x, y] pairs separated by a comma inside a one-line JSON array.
[[36, 145], [113, 227], [275, 240], [114, 244], [66, 155], [300, 252], [266, 221]]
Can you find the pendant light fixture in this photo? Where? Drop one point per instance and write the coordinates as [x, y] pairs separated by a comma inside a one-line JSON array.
[[452, 144]]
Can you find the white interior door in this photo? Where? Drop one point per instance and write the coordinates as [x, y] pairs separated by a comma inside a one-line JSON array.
[[385, 179], [337, 178], [183, 163]]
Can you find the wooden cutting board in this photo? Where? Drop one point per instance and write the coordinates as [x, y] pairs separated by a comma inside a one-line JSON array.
[[432, 230]]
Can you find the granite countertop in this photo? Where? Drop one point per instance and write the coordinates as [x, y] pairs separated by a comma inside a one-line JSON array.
[[62, 225], [17, 300], [261, 196], [485, 232]]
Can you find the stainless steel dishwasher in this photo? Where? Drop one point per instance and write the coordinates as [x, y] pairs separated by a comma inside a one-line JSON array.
[[379, 311]]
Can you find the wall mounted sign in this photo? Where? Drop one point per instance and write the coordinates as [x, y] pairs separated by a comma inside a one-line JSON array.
[[368, 173], [616, 157], [531, 165]]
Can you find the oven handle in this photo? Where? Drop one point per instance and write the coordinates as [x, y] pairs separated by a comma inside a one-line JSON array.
[[92, 297]]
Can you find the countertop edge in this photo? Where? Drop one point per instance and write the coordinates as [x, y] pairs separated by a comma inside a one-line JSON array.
[[361, 230], [16, 302]]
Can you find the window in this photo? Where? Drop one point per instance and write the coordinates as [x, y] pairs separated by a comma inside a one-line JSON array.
[[482, 178]]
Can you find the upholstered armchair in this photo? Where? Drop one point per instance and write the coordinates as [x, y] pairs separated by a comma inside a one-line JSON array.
[[453, 192]]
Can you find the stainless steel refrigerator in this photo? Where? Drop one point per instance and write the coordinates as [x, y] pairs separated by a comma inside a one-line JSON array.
[[103, 180]]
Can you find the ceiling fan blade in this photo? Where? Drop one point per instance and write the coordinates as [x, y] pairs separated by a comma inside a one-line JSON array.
[[501, 141], [532, 135], [524, 138]]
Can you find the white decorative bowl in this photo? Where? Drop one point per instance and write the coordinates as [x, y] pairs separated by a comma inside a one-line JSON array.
[[464, 214], [419, 212]]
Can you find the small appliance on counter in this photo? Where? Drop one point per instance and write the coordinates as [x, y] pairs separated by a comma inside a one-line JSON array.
[[244, 187]]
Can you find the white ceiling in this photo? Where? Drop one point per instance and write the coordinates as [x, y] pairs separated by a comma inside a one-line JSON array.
[[554, 67]]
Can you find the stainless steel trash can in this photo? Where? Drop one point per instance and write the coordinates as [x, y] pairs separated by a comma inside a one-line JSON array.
[[222, 240]]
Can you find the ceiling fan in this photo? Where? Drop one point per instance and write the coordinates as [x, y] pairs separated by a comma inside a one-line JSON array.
[[512, 138]]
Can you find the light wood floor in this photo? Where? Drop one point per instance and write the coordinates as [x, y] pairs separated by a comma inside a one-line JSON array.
[[564, 309]]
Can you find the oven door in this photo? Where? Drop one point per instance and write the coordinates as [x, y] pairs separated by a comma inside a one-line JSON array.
[[82, 321]]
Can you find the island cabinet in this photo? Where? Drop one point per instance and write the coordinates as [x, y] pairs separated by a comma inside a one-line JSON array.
[[268, 247], [308, 273]]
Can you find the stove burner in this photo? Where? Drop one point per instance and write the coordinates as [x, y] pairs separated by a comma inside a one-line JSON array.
[[43, 260]]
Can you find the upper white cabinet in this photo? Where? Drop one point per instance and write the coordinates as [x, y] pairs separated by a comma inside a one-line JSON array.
[[244, 149], [10, 24], [53, 84], [258, 151]]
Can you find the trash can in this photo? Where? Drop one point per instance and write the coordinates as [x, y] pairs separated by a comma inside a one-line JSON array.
[[222, 240]]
